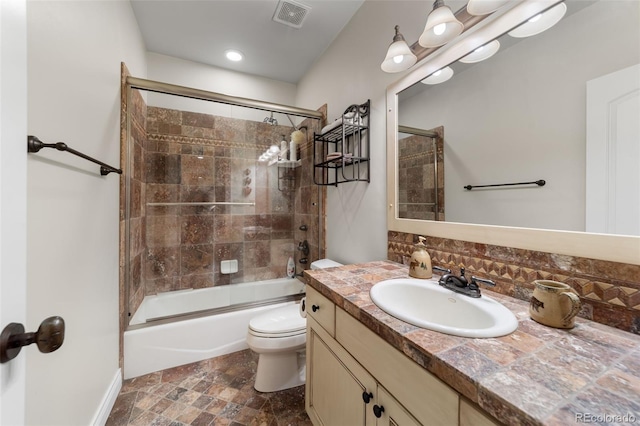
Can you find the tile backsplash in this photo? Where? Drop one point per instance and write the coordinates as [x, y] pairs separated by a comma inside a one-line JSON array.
[[609, 291]]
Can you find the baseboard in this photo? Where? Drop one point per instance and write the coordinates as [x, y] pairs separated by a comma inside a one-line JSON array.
[[100, 419]]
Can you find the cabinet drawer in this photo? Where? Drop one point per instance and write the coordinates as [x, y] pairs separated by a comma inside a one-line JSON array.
[[322, 310], [424, 395]]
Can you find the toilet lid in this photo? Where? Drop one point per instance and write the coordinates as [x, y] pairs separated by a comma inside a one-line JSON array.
[[277, 321]]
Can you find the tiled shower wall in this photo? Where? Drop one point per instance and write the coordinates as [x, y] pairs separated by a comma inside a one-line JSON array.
[[419, 177], [609, 291], [183, 157], [136, 230], [194, 157]]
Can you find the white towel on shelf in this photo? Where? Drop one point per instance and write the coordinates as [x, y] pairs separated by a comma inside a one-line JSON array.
[[348, 119]]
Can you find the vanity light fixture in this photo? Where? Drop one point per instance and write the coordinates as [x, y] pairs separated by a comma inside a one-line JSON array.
[[234, 55], [399, 55], [441, 27], [440, 76], [540, 22], [484, 7], [481, 53]]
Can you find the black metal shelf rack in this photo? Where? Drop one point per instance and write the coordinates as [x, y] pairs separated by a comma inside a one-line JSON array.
[[350, 138]]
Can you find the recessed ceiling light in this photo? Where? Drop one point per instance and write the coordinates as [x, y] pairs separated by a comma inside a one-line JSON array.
[[234, 55]]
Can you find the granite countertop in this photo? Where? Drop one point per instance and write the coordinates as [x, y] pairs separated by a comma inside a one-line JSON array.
[[536, 375]]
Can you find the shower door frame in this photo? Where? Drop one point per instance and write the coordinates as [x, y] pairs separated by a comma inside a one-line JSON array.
[[129, 84]]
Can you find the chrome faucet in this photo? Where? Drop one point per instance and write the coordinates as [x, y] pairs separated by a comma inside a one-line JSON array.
[[462, 285]]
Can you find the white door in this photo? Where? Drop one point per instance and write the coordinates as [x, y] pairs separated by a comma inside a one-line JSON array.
[[613, 153], [13, 196]]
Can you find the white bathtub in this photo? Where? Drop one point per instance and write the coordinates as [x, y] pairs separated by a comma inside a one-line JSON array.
[[165, 345]]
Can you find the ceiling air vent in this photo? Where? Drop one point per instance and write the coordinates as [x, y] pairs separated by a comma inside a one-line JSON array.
[[291, 13]]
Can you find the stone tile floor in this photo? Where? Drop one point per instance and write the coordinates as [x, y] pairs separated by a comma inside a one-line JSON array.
[[218, 391]]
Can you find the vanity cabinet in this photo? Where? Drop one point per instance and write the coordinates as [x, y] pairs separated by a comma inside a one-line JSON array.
[[355, 378]]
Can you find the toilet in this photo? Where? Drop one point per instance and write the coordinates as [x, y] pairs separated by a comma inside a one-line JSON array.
[[279, 337]]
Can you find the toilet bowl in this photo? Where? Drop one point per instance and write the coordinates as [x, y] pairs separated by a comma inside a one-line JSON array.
[[279, 337]]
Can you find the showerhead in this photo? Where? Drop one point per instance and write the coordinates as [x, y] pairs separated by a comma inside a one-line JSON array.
[[270, 120]]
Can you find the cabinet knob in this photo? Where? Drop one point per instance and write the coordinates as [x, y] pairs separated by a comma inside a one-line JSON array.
[[366, 397], [315, 308], [378, 410]]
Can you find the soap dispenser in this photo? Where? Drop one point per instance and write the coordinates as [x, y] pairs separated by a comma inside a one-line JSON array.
[[420, 266]]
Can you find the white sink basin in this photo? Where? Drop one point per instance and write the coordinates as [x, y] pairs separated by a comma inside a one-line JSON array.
[[426, 304]]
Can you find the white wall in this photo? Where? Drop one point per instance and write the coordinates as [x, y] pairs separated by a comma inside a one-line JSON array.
[[177, 71], [349, 72], [13, 198], [74, 54], [521, 116]]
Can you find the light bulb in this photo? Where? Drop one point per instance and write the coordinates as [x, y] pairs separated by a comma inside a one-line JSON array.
[[397, 59], [437, 73], [439, 29], [479, 49]]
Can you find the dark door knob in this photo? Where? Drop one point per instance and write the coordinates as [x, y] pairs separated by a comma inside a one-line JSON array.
[[366, 397], [48, 338], [378, 410], [315, 308]]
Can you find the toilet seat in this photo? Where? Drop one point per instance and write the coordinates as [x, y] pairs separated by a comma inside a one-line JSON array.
[[278, 323]]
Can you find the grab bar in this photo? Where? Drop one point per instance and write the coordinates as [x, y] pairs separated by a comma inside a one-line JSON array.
[[537, 182], [34, 145], [197, 203]]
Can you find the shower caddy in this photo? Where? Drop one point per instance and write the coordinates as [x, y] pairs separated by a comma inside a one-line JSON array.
[[341, 150]]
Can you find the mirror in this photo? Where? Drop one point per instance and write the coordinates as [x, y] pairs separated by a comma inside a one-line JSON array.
[[482, 147], [524, 115]]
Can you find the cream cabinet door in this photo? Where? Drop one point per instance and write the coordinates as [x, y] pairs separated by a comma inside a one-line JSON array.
[[389, 412], [336, 383]]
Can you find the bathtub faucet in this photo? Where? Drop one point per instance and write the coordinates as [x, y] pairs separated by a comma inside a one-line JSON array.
[[303, 246]]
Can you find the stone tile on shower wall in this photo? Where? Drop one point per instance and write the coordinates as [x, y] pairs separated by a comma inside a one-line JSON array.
[[197, 194], [197, 170], [197, 132], [162, 285], [281, 226], [161, 193], [257, 254], [222, 167], [197, 119], [197, 281], [196, 229], [280, 252], [265, 273], [257, 227], [230, 129], [228, 251], [162, 168], [162, 262], [196, 259], [228, 228], [164, 115], [162, 231]]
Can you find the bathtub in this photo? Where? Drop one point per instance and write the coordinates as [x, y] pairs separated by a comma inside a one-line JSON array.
[[159, 336]]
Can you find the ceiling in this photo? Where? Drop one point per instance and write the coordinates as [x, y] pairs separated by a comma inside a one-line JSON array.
[[201, 31]]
